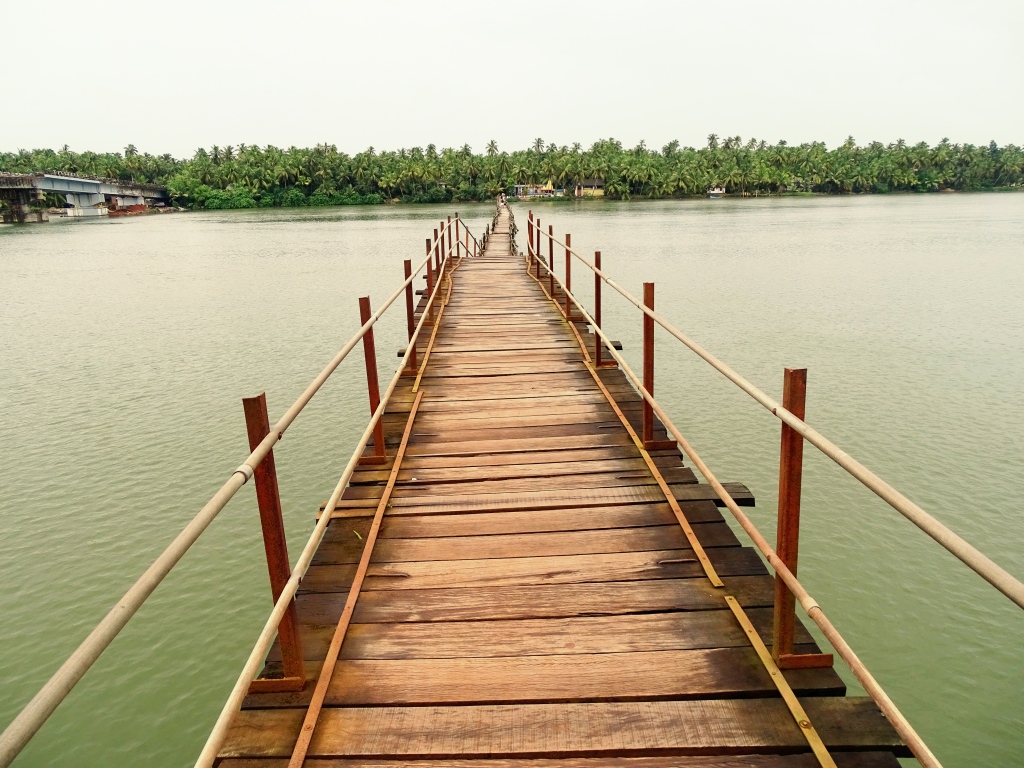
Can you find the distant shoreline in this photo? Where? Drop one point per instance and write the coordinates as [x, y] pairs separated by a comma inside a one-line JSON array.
[[270, 177]]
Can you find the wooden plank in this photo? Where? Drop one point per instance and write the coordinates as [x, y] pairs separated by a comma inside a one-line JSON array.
[[522, 545], [629, 633], [537, 637], [522, 457], [568, 569], [624, 478], [509, 471], [476, 447], [648, 675], [543, 520], [537, 601], [695, 727], [843, 760], [553, 499]]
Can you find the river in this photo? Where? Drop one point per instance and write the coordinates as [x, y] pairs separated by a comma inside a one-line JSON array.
[[127, 345]]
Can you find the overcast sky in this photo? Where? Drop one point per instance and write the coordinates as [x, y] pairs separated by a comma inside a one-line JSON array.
[[170, 77]]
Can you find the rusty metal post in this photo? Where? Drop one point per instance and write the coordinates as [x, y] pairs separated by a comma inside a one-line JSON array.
[[551, 261], [598, 344], [440, 252], [791, 462], [648, 413], [536, 247], [529, 239], [429, 307], [372, 385], [568, 274], [268, 497], [410, 316]]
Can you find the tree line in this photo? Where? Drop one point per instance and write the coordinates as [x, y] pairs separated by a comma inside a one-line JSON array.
[[249, 176]]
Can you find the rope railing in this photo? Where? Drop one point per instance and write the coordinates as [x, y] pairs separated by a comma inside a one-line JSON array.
[[973, 558], [31, 718], [899, 722]]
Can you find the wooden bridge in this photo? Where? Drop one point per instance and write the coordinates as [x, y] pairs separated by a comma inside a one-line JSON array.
[[524, 580], [516, 569]]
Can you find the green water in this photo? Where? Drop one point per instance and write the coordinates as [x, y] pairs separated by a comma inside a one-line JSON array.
[[126, 345]]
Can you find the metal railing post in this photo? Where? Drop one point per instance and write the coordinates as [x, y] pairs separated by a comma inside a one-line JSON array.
[[598, 345], [551, 261], [791, 462], [647, 421], [410, 313], [530, 252], [439, 253], [568, 274], [430, 287], [268, 498], [372, 385]]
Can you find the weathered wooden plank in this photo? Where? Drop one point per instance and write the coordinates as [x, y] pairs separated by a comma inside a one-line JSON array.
[[518, 545], [624, 478], [553, 499], [677, 630], [537, 601], [510, 471], [522, 457], [568, 569], [544, 520], [633, 676], [607, 439], [843, 760], [695, 727]]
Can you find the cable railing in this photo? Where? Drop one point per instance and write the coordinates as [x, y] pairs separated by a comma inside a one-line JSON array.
[[969, 555], [32, 717]]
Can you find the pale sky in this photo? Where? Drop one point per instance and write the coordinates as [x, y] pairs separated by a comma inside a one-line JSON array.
[[170, 77]]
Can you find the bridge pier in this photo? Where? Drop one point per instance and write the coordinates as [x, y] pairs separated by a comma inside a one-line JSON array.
[[85, 204], [18, 208]]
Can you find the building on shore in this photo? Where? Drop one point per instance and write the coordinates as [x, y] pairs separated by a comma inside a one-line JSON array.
[[590, 188], [538, 190]]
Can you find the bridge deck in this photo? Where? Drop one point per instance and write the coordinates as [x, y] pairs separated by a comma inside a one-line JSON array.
[[532, 599]]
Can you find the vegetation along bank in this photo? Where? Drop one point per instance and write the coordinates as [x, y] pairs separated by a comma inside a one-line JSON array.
[[249, 176]]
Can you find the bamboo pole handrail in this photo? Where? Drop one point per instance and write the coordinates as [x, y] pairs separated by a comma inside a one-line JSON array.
[[899, 722], [37, 711], [231, 706], [967, 553]]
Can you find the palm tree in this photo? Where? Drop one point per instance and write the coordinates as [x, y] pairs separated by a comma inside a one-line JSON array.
[[492, 148]]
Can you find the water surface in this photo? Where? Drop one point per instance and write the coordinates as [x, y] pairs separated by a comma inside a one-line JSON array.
[[127, 345]]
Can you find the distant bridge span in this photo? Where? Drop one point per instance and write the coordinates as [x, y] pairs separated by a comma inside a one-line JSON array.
[[85, 196]]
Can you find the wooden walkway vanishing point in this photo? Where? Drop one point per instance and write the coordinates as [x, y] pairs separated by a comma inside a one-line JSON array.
[[532, 597]]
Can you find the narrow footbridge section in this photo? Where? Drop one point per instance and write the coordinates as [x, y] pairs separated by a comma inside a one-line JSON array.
[[524, 580]]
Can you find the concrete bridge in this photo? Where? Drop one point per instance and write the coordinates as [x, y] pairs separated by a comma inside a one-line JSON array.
[[85, 197]]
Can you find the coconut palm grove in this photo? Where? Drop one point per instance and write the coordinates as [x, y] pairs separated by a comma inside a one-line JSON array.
[[249, 176]]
